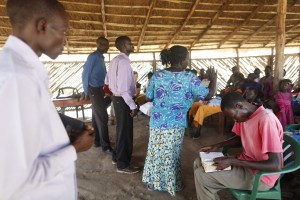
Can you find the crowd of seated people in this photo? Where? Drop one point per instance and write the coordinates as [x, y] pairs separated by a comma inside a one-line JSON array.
[[256, 90]]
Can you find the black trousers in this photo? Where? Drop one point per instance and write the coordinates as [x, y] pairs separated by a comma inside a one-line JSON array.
[[100, 116], [124, 133]]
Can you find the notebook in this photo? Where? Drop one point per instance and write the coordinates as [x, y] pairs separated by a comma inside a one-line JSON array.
[[208, 163]]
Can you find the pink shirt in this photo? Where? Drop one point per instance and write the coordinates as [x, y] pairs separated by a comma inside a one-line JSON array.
[[120, 79], [260, 134]]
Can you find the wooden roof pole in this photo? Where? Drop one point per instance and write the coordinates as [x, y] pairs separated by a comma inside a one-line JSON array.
[[211, 22], [241, 25], [103, 18], [298, 85], [67, 45], [290, 29], [184, 23], [280, 42], [292, 39], [257, 31], [141, 38], [237, 58], [154, 63]]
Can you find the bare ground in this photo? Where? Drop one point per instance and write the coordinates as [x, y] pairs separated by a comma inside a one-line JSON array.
[[98, 179]]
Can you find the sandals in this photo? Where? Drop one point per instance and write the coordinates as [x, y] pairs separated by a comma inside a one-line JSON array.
[[150, 187]]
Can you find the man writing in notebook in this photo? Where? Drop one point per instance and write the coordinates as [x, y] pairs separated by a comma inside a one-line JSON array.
[[260, 134]]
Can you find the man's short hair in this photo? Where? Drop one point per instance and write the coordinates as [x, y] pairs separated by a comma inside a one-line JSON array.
[[230, 99], [120, 41], [21, 11], [98, 41]]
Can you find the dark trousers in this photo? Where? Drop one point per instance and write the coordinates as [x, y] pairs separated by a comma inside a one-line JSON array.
[[99, 112], [124, 133]]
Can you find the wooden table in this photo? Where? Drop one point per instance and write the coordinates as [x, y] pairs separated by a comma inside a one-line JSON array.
[[63, 103]]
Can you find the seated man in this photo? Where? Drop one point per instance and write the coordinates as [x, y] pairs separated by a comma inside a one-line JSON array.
[[260, 134]]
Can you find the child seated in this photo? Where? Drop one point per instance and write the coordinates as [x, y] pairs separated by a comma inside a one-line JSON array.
[[283, 99]]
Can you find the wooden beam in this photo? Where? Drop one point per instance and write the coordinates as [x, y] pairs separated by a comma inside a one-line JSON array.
[[257, 31], [141, 38], [154, 63], [298, 70], [184, 23], [67, 44], [241, 25], [293, 39], [103, 18], [271, 58], [261, 28], [290, 29], [280, 42], [237, 58], [211, 22]]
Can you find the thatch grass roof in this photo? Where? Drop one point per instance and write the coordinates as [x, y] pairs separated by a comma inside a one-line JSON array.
[[155, 24]]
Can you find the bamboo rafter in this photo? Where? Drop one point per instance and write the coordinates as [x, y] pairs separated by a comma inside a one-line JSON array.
[[103, 18], [149, 13], [184, 23], [240, 26], [211, 22]]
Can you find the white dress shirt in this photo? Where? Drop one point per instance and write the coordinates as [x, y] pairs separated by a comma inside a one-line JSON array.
[[37, 160], [120, 79]]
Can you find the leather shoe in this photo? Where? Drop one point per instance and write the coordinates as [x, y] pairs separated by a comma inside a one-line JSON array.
[[108, 151], [96, 144]]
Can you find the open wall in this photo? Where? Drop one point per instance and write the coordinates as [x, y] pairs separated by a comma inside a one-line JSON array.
[[67, 70]]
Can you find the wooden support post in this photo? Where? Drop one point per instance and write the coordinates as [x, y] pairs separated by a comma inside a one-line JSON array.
[[271, 58], [190, 58], [280, 42], [237, 58], [154, 63], [299, 70]]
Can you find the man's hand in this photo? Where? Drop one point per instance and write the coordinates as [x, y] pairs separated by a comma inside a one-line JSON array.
[[84, 96], [84, 140], [134, 112], [223, 162], [211, 148]]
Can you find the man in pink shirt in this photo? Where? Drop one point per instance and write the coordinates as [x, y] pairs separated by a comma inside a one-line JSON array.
[[120, 81], [260, 134]]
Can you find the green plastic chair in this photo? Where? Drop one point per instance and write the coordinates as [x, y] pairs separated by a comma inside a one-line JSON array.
[[291, 156]]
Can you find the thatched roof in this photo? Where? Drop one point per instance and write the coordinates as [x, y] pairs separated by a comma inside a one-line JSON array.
[[155, 24]]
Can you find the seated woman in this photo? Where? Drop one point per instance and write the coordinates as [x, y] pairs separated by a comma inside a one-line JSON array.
[[204, 111]]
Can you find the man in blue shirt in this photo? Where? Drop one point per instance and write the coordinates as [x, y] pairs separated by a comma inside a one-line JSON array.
[[93, 76]]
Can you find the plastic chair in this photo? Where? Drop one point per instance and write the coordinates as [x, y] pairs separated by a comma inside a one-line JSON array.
[[291, 156], [67, 93]]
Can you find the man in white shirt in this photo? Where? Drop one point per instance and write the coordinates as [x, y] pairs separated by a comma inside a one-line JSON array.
[[37, 159], [120, 81]]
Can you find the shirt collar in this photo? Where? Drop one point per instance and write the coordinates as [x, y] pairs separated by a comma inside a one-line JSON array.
[[124, 55], [23, 50]]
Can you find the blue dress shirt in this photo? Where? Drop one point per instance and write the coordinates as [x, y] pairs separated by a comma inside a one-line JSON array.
[[94, 71]]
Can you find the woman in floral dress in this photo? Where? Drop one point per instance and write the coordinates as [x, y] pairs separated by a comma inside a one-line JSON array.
[[172, 91]]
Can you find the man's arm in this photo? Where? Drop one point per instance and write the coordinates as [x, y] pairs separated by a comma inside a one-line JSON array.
[[273, 164], [126, 83], [234, 141], [24, 167]]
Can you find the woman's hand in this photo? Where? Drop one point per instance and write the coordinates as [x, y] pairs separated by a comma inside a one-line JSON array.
[[211, 73]]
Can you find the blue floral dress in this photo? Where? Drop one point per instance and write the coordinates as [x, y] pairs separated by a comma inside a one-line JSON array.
[[172, 93]]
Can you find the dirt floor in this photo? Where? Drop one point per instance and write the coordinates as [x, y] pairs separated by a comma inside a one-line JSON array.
[[98, 179]]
